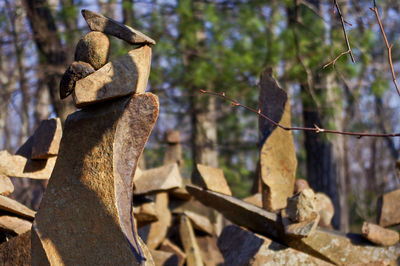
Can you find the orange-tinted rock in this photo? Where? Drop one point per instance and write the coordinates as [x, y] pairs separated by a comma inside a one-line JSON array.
[[379, 235], [209, 250], [164, 258], [325, 209], [189, 242], [173, 150], [388, 208], [85, 217], [303, 206], [211, 178], [168, 246], [255, 199], [46, 139], [16, 251], [303, 228], [6, 186], [14, 207], [145, 213], [14, 225], [94, 49], [299, 185]]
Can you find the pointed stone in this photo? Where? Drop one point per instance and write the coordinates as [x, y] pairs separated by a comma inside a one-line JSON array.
[[209, 250], [255, 199], [19, 166], [14, 224], [303, 206], [6, 186], [46, 139], [85, 216], [325, 210], [14, 207], [120, 77], [16, 251], [242, 247], [211, 178], [98, 22], [164, 258], [188, 239], [75, 72], [278, 160], [379, 235], [388, 208], [158, 230], [94, 49], [168, 246], [158, 179]]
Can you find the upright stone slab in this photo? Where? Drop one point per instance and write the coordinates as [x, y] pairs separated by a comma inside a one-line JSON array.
[[388, 208], [173, 150], [85, 217], [46, 140], [278, 161]]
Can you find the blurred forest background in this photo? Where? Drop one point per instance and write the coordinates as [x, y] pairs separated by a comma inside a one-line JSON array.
[[220, 46]]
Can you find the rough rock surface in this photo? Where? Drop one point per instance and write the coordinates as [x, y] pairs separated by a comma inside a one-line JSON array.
[[379, 235], [16, 251], [211, 178], [303, 228], [75, 72], [278, 160], [303, 206], [14, 224], [173, 150], [299, 185], [325, 209], [85, 216], [98, 22], [46, 139], [14, 207], [388, 209], [188, 239], [209, 250], [94, 49], [125, 75], [6, 186], [255, 199]]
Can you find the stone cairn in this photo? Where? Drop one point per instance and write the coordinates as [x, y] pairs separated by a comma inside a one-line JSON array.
[[99, 208]]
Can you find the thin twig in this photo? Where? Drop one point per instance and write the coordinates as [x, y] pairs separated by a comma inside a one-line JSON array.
[[349, 51], [388, 46], [315, 129]]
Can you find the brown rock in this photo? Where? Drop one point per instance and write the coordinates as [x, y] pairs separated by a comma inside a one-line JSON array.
[[173, 151], [6, 186], [299, 185], [16, 251], [278, 160], [209, 250], [158, 230], [325, 209], [192, 250], [86, 212], [93, 48], [303, 206], [164, 258], [304, 228], [145, 214], [162, 178], [14, 207], [180, 193], [19, 166], [255, 199], [211, 178], [242, 247], [168, 246], [14, 225], [125, 75], [46, 139], [388, 208], [98, 22], [172, 136], [75, 72], [379, 235]]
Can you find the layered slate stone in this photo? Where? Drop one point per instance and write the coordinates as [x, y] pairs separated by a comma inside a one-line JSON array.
[[85, 217], [145, 213], [158, 179], [98, 22], [379, 235], [14, 224], [46, 139], [125, 75], [164, 258], [209, 250], [388, 208], [327, 245], [211, 178], [14, 207], [188, 239], [242, 247], [6, 186], [173, 150], [168, 246], [16, 251], [278, 160]]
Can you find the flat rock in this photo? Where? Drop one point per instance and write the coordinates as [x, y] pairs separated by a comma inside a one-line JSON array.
[[46, 139], [98, 22], [278, 160], [86, 213], [327, 245], [209, 250], [94, 49], [303, 206], [158, 179], [145, 213], [388, 208], [14, 224], [379, 235], [325, 209], [6, 186], [168, 246], [14, 207], [74, 72], [164, 258], [303, 228], [242, 247], [158, 230], [20, 166], [189, 242], [172, 136], [173, 149], [125, 75], [211, 178], [299, 185], [16, 251]]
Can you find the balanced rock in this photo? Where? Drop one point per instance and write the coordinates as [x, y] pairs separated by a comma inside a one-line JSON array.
[[379, 235], [16, 251], [188, 239], [120, 77], [15, 208], [75, 72], [93, 48], [278, 160], [303, 206], [98, 22], [6, 186], [303, 228], [14, 224], [173, 151], [85, 217], [172, 136], [168, 246], [46, 139], [299, 185], [325, 209], [388, 208], [211, 178]]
